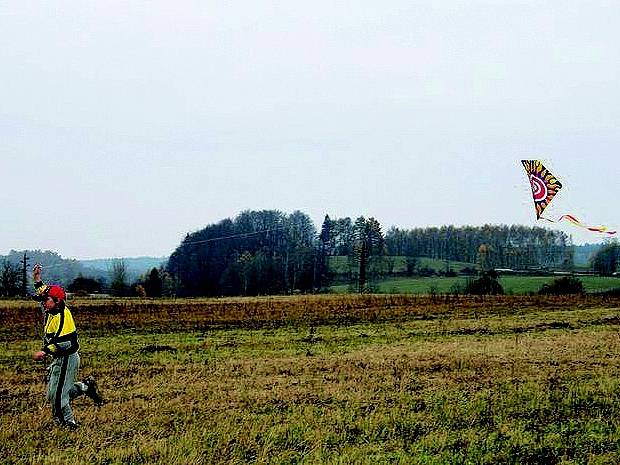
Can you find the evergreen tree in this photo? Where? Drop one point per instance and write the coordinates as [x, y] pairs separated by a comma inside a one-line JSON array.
[[369, 244], [153, 285], [326, 247]]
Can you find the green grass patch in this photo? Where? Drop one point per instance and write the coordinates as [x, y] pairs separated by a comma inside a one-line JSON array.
[[340, 264], [511, 284]]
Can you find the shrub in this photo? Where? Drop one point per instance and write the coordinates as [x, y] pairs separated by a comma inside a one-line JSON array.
[[140, 291], [564, 285], [90, 285], [486, 284], [615, 292], [426, 272], [468, 271]]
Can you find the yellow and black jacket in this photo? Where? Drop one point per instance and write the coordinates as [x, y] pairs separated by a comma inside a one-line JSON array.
[[60, 336]]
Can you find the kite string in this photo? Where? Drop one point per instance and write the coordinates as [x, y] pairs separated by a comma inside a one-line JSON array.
[[213, 239], [234, 236]]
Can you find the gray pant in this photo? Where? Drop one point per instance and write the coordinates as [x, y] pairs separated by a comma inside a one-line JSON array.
[[62, 387]]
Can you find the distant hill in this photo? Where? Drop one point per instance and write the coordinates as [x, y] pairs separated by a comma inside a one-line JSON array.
[[56, 269], [63, 271], [136, 266]]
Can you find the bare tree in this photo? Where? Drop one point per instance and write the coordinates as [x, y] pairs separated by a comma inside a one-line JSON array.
[[9, 279], [119, 286]]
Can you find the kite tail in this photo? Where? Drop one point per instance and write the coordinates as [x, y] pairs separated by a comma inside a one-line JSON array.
[[576, 222]]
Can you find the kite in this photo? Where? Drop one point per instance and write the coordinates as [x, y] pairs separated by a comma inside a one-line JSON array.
[[544, 188]]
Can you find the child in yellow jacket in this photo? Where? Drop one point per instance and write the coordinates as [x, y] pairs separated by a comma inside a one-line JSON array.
[[61, 343]]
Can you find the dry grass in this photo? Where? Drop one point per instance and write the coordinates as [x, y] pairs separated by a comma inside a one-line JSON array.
[[369, 380], [199, 314]]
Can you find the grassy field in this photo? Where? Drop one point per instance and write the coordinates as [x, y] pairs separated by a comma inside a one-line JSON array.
[[511, 284], [337, 379], [340, 264]]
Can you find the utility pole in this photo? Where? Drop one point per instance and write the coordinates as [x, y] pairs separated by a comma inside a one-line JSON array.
[[25, 275], [362, 269]]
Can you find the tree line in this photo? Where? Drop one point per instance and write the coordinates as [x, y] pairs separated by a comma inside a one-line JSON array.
[[264, 252], [269, 252], [118, 280], [499, 246]]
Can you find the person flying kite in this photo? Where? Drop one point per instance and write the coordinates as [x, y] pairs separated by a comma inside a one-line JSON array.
[[61, 344], [544, 188]]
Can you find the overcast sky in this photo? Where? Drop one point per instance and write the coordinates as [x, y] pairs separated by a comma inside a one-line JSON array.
[[125, 125]]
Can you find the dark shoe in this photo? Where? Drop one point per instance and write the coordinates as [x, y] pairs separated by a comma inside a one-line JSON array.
[[92, 391], [71, 425]]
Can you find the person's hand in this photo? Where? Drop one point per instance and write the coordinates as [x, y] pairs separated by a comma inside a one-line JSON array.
[[39, 356], [36, 272]]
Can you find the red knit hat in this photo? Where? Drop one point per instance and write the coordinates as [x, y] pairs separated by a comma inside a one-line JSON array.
[[56, 292]]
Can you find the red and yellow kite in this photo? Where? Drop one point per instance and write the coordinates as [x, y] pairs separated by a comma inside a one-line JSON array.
[[544, 187]]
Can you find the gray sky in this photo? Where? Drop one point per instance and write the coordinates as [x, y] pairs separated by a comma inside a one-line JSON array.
[[125, 125]]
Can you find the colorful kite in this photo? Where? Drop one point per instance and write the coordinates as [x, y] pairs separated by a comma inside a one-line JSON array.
[[544, 187]]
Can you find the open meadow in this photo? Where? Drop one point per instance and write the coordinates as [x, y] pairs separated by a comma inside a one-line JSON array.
[[456, 284], [324, 379]]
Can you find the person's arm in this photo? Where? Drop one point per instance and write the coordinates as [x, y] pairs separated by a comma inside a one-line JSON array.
[[38, 284], [36, 277]]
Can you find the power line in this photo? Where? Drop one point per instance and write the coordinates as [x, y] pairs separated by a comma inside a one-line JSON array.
[[25, 275], [204, 241], [235, 236]]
